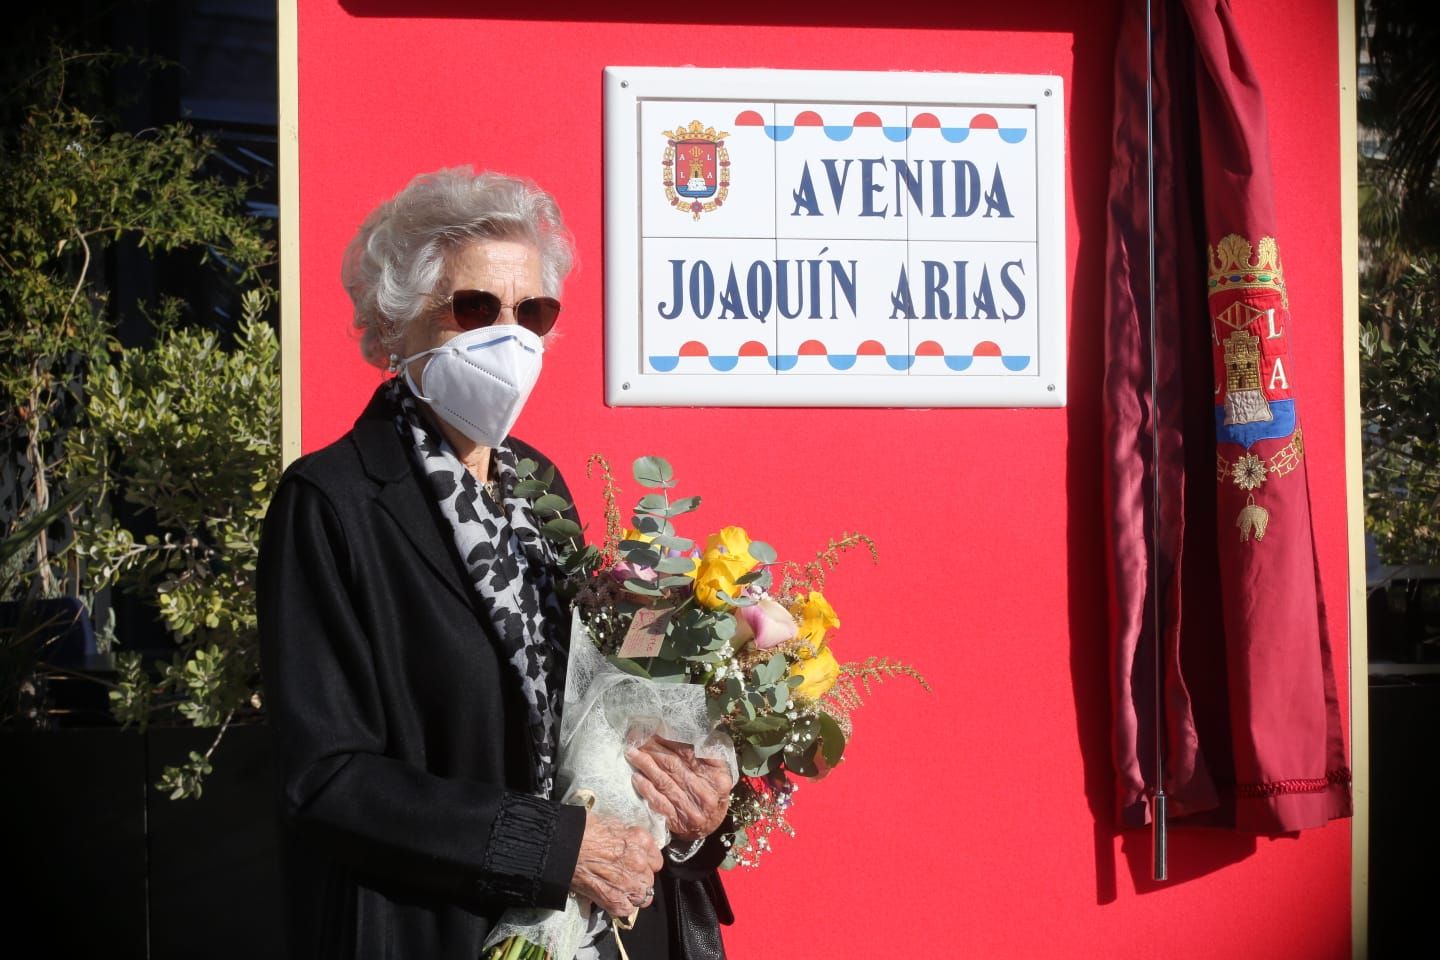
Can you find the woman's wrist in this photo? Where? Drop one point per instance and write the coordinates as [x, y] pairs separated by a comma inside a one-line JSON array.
[[679, 854]]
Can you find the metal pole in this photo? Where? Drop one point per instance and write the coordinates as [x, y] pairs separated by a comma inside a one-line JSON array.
[[1157, 811]]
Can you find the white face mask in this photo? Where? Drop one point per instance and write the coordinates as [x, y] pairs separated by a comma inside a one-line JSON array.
[[478, 382]]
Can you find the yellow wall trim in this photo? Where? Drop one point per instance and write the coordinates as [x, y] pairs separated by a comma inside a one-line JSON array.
[[1354, 488], [288, 48]]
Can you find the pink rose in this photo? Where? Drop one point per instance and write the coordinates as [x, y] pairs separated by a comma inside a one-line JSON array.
[[766, 623], [624, 570]]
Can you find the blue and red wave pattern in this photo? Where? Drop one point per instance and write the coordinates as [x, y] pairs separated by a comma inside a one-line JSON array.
[[839, 132], [985, 350]]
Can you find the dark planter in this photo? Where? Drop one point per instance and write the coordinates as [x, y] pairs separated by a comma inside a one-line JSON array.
[[1404, 835], [75, 863], [98, 862]]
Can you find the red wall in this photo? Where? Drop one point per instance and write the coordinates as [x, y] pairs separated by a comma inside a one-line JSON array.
[[974, 821]]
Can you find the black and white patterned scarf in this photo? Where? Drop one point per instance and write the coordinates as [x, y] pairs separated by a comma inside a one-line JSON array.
[[510, 564]]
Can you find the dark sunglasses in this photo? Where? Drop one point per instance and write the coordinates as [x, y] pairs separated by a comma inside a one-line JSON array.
[[474, 309]]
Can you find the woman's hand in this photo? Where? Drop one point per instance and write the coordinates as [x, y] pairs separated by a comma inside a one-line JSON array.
[[617, 865], [692, 794]]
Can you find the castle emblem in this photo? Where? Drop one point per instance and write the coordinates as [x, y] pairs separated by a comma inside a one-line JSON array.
[[1244, 397], [696, 168]]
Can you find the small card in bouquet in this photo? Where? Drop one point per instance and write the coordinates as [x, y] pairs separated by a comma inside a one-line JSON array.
[[646, 633]]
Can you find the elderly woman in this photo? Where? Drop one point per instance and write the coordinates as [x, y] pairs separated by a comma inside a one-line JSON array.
[[413, 646]]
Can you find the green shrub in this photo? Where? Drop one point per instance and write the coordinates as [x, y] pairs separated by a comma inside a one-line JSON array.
[[183, 431]]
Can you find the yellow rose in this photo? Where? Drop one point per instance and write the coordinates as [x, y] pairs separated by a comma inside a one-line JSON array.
[[731, 541], [819, 673], [717, 573], [816, 618], [726, 559]]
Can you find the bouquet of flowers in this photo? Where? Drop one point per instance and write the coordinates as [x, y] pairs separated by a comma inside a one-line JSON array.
[[698, 644]]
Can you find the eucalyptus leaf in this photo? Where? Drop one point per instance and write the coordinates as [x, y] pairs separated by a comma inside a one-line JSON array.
[[715, 709], [641, 587], [652, 503], [805, 735], [639, 554], [581, 560], [675, 565], [670, 542], [758, 760], [832, 739], [561, 527], [764, 725], [706, 658], [779, 696], [525, 467], [762, 551], [802, 762], [550, 503], [713, 644], [665, 583], [689, 643], [695, 618], [667, 671], [530, 489], [772, 671], [654, 472], [651, 526], [685, 505], [629, 666], [735, 601]]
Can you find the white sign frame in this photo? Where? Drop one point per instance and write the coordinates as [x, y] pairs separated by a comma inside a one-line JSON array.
[[628, 164]]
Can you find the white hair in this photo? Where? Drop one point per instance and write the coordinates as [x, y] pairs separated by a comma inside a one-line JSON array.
[[400, 254]]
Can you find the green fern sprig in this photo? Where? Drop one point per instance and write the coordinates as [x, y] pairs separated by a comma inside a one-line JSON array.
[[799, 579], [845, 696]]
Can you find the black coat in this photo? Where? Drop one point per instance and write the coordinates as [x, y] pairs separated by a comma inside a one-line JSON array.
[[407, 813]]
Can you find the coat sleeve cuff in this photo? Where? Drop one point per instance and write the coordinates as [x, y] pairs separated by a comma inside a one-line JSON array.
[[530, 858], [559, 867]]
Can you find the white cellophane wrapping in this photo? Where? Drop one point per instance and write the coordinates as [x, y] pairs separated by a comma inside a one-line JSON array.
[[608, 710]]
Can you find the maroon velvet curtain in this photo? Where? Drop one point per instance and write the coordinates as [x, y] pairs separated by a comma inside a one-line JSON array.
[[1248, 714]]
